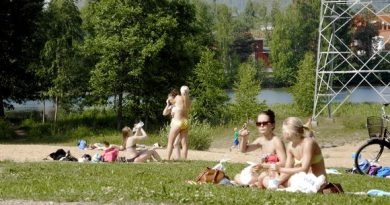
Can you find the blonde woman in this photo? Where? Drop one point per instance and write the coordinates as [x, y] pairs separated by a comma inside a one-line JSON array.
[[170, 109], [271, 147], [303, 153], [129, 144], [179, 123]]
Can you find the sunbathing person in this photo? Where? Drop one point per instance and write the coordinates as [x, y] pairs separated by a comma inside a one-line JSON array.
[[271, 146], [303, 153], [132, 154]]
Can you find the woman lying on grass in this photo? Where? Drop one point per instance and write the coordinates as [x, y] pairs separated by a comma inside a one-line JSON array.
[[129, 145], [272, 147], [303, 154]]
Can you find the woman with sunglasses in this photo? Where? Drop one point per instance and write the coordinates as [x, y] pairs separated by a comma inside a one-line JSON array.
[[303, 153], [272, 147]]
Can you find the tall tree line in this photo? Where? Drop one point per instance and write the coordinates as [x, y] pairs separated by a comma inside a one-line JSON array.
[[136, 51]]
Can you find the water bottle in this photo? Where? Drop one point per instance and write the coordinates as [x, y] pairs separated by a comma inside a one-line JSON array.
[[273, 182], [140, 124]]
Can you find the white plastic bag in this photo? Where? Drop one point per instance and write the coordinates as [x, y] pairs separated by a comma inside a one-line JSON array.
[[220, 166], [246, 174]]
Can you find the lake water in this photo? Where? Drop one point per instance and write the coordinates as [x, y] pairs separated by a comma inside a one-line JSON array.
[[270, 95]]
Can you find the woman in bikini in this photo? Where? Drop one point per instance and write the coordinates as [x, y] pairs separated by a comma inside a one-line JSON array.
[[179, 123], [303, 153], [170, 109], [272, 147], [129, 145]]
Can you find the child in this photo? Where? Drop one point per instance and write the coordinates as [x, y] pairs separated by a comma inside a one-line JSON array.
[[235, 139]]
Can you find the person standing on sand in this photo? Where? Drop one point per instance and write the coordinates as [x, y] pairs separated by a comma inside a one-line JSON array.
[[179, 122]]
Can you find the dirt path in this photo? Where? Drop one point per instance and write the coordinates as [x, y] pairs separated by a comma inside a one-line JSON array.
[[334, 157]]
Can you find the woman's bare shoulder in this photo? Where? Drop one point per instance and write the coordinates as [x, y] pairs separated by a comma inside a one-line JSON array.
[[276, 139]]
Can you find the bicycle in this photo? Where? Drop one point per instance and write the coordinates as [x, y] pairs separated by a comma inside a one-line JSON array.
[[374, 149]]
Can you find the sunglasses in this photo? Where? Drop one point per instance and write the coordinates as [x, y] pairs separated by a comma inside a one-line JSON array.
[[262, 123]]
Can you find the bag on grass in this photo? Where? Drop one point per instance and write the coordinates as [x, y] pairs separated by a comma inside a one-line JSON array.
[[110, 154], [364, 166], [331, 188], [82, 144], [383, 172], [57, 155], [68, 157], [210, 175], [373, 170]]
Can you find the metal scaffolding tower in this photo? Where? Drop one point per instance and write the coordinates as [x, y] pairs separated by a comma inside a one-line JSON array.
[[353, 51]]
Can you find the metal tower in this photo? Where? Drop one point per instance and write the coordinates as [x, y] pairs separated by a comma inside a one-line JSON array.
[[353, 51]]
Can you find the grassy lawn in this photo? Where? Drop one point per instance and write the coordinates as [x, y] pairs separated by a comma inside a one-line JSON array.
[[158, 183]]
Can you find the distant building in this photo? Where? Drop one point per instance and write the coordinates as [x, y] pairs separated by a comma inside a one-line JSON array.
[[262, 53], [379, 42], [384, 29]]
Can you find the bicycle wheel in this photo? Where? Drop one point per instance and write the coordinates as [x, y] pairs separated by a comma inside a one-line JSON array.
[[374, 151]]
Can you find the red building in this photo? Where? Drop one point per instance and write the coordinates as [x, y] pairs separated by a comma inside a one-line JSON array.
[[262, 53]]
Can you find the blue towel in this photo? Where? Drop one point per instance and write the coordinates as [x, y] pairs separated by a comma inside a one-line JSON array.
[[376, 192]]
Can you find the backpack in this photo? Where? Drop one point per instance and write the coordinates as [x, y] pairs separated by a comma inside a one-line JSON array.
[[68, 157], [383, 172], [82, 144], [364, 166], [211, 176], [57, 155], [110, 154]]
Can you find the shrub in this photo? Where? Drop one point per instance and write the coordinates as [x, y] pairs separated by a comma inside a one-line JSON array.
[[199, 137], [5, 130], [80, 132]]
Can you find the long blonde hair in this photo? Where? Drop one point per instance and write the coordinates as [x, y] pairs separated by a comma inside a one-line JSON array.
[[185, 93], [295, 126]]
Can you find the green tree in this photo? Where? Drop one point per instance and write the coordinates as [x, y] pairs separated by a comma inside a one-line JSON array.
[[246, 89], [141, 48], [294, 34], [249, 16], [61, 70], [282, 53], [19, 46], [224, 36], [303, 89], [275, 10], [210, 97]]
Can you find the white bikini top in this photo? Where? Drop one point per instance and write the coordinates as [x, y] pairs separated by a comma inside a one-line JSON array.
[[175, 109]]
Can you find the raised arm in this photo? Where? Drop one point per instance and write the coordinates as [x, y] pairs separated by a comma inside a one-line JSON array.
[[245, 147], [167, 109], [140, 134]]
